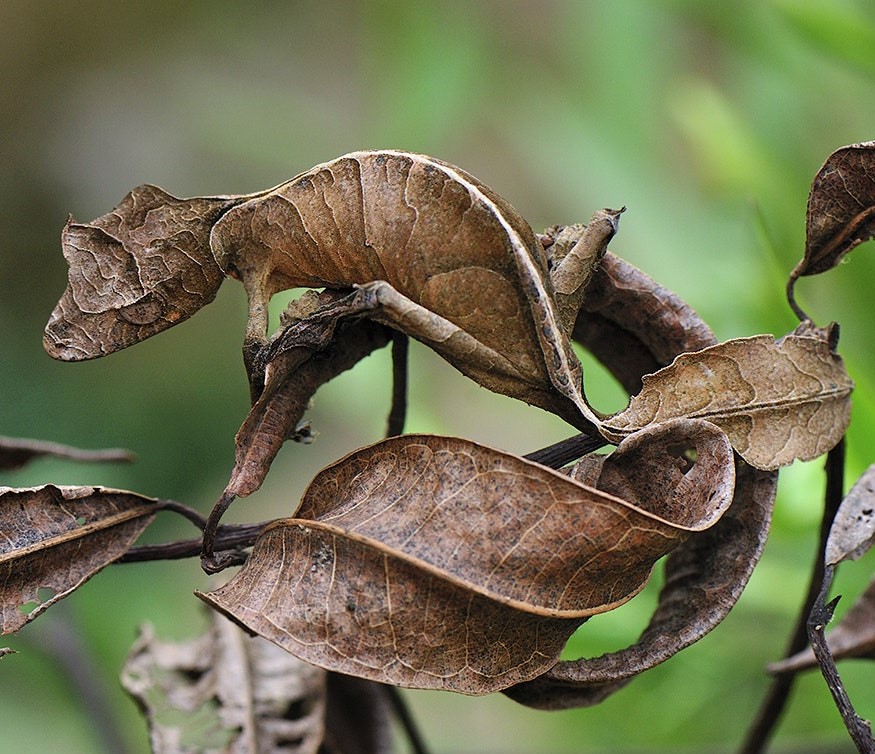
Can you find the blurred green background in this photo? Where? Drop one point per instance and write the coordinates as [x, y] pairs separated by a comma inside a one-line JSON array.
[[707, 119]]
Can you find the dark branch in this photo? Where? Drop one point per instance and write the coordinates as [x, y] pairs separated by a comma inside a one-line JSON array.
[[561, 453], [775, 701], [398, 411], [229, 540]]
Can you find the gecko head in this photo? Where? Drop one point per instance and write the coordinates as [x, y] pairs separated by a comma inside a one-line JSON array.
[[137, 270]]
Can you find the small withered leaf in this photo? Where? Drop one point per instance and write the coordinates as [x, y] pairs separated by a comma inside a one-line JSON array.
[[853, 528], [841, 208], [508, 556], [56, 538], [778, 401], [705, 574]]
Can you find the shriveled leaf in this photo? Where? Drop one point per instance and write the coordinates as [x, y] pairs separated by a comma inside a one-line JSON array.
[[853, 636], [15, 452], [56, 538], [841, 208], [853, 528], [226, 692], [134, 272], [438, 563], [292, 378], [704, 577], [778, 401], [633, 325], [706, 574]]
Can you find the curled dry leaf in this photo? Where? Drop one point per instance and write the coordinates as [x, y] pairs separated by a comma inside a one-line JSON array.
[[704, 577], [434, 562], [56, 538], [706, 574], [15, 452], [841, 208], [634, 325], [853, 636], [226, 692], [778, 401], [853, 528]]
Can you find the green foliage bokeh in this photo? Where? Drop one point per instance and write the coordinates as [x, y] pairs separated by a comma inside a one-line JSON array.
[[708, 120]]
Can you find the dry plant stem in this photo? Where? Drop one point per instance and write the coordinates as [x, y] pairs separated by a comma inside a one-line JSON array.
[[398, 411], [565, 451], [228, 538], [186, 511], [405, 719], [791, 299], [775, 701], [63, 641], [821, 614]]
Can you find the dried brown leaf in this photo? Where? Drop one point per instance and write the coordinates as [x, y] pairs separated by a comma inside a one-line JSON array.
[[226, 692], [441, 256], [841, 208], [853, 528], [134, 272], [853, 636], [56, 538], [778, 401], [704, 575], [15, 452], [292, 378], [508, 557]]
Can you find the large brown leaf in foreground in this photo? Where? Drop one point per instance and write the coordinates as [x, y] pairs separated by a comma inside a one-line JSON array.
[[778, 401], [56, 538], [438, 563]]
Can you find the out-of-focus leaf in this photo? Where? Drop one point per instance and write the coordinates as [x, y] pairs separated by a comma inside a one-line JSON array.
[[778, 401], [853, 636], [837, 29], [226, 692], [6, 651], [853, 528], [437, 563], [15, 452], [56, 538]]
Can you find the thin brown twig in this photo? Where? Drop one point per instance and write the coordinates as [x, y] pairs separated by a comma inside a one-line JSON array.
[[228, 538], [405, 719], [563, 452], [776, 698], [821, 615], [398, 411]]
